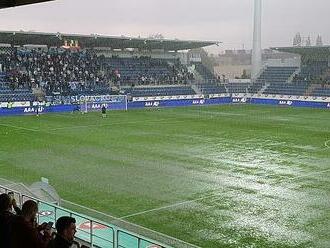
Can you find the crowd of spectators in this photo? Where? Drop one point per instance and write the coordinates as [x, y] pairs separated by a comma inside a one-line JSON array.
[[54, 70], [18, 227], [148, 71], [63, 71]]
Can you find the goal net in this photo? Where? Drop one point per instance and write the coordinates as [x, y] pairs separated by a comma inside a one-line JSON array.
[[111, 102]]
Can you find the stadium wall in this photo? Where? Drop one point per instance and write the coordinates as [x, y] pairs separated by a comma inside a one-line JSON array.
[[292, 103], [166, 102], [34, 110], [152, 103]]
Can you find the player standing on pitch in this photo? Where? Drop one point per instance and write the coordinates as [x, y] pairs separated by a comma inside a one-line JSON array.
[[104, 111]]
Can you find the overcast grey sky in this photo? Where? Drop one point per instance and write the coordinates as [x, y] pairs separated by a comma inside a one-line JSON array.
[[229, 21]]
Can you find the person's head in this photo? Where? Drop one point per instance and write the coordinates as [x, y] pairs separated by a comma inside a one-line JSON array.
[[5, 202], [66, 227], [29, 210]]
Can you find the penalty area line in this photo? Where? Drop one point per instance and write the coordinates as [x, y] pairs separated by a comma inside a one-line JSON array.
[[168, 206], [131, 224], [21, 128], [203, 198], [161, 121]]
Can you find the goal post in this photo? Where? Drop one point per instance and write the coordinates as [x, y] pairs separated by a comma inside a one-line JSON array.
[[111, 102]]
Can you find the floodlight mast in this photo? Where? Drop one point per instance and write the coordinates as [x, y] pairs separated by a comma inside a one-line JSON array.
[[257, 51]]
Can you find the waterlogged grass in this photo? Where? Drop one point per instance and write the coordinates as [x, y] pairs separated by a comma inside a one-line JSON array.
[[225, 176]]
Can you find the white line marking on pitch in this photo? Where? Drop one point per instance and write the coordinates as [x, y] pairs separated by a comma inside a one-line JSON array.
[[22, 128], [206, 197], [86, 126], [132, 224], [119, 123], [168, 206]]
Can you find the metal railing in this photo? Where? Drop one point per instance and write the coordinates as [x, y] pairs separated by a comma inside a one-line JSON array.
[[114, 237]]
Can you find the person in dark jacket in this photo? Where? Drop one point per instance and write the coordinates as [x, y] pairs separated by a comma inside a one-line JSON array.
[[24, 231], [104, 111], [66, 229], [5, 218]]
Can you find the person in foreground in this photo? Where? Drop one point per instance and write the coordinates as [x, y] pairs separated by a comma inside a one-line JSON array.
[[5, 217], [24, 231], [7, 203], [66, 229]]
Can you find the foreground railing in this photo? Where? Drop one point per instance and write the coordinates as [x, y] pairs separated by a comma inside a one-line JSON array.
[[90, 231]]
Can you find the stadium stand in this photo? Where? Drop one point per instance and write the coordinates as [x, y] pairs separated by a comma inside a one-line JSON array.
[[146, 71], [276, 74], [65, 72], [53, 72], [256, 87], [160, 91], [298, 89], [208, 83], [212, 88], [312, 71], [16, 91], [237, 87], [321, 91], [278, 80], [204, 72]]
